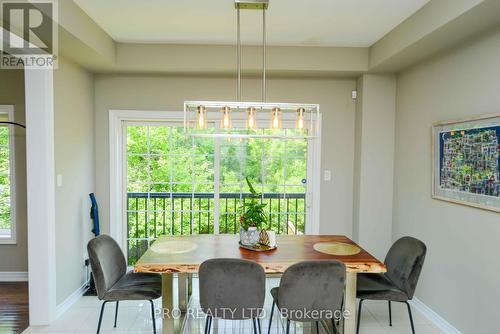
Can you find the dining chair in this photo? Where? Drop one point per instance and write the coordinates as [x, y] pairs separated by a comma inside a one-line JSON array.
[[404, 263], [232, 289], [310, 291], [114, 283]]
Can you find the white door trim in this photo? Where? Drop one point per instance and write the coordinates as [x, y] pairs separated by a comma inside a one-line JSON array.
[[40, 171], [314, 185], [116, 171]]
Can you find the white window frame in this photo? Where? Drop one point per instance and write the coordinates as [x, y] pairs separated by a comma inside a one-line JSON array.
[[117, 172], [9, 111]]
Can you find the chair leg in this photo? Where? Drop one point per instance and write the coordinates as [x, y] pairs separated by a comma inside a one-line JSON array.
[[317, 327], [254, 326], [341, 309], [100, 317], [116, 312], [390, 314], [153, 315], [287, 326], [259, 326], [334, 327], [359, 315], [271, 318], [208, 323], [411, 318]]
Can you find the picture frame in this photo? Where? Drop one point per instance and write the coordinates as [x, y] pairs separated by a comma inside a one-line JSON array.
[[466, 162]]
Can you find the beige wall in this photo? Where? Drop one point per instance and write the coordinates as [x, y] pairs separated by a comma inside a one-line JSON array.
[[374, 162], [74, 160], [15, 257], [460, 276], [169, 93]]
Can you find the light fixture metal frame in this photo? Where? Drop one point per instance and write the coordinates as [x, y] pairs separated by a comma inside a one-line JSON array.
[[313, 110]]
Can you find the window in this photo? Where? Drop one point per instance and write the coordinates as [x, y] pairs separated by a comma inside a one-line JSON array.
[[7, 208]]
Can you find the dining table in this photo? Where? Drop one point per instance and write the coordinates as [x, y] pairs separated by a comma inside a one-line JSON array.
[[181, 257]]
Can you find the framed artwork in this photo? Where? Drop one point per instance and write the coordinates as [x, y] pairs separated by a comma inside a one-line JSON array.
[[466, 162]]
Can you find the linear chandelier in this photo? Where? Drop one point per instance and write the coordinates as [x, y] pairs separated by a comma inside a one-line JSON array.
[[251, 119]]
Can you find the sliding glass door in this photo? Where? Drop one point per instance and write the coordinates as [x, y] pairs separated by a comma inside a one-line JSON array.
[[180, 185]]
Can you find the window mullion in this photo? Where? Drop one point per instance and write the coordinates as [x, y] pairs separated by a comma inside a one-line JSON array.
[[217, 155]]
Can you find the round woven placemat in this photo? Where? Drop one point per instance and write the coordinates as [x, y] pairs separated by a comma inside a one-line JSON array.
[[336, 248], [173, 247]]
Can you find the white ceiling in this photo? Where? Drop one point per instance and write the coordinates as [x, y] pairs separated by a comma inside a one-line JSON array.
[[357, 23]]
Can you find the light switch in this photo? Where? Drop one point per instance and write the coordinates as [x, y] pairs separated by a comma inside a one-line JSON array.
[[327, 175], [59, 180]]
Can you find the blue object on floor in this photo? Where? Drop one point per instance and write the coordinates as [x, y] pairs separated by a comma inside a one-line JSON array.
[[94, 214]]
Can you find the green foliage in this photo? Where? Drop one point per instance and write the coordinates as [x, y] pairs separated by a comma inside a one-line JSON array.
[[253, 214], [5, 214], [162, 160]]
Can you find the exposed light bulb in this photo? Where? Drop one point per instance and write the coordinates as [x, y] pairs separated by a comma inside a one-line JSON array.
[[299, 124], [226, 118], [201, 121], [251, 119], [276, 118]]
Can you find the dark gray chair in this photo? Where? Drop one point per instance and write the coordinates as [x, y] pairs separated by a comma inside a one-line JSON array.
[[232, 289], [315, 288], [114, 283], [404, 263]]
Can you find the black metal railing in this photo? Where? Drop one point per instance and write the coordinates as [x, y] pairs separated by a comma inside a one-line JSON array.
[[150, 215]]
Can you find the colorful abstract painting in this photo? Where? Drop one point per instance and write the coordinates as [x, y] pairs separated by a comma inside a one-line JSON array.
[[467, 162]]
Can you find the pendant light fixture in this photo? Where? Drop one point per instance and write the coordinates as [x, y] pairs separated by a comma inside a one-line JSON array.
[[251, 122], [225, 122], [236, 117], [299, 124], [201, 118], [276, 118]]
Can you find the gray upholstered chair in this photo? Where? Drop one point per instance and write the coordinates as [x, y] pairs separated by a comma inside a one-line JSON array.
[[113, 282], [310, 291], [232, 289], [404, 263]]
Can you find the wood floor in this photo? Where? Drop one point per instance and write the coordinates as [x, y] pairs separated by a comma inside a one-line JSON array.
[[13, 307]]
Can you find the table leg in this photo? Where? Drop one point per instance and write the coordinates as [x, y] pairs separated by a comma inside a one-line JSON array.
[[350, 303], [183, 291], [190, 285], [167, 291]]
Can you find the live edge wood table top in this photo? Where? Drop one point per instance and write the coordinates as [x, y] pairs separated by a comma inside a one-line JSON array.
[[291, 249]]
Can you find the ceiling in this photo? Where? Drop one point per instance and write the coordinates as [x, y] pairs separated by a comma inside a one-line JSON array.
[[353, 23]]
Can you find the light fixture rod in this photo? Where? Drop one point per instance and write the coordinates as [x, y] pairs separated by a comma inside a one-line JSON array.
[[238, 55], [264, 55]]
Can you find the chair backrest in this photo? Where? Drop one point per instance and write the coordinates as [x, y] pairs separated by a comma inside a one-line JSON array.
[[312, 290], [232, 288], [404, 263], [107, 261]]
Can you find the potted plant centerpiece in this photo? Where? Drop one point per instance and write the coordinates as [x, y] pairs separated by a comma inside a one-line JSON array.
[[253, 218]]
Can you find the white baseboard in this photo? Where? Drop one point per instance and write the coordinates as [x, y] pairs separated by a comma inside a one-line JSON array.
[[71, 300], [13, 276], [436, 319]]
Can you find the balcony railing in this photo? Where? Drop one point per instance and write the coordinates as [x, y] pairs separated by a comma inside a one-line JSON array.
[[150, 215]]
